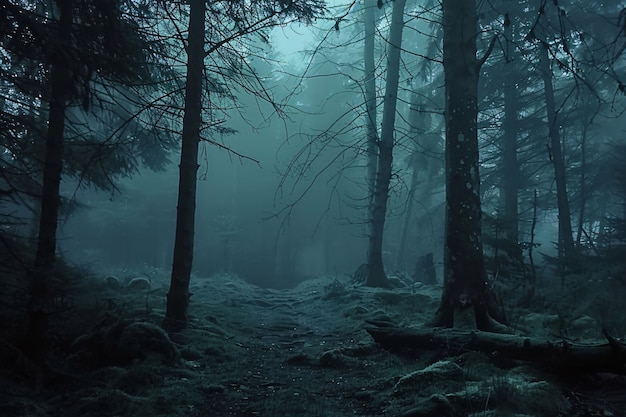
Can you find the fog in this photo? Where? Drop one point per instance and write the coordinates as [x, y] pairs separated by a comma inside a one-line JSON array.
[[241, 222], [283, 198], [340, 166]]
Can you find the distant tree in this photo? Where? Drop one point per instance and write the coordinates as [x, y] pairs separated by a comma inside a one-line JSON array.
[[376, 276], [510, 164], [566, 239], [574, 57], [418, 122], [353, 139], [369, 82], [518, 149], [425, 147], [504, 90]]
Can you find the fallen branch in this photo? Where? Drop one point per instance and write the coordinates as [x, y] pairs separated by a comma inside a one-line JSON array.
[[559, 355]]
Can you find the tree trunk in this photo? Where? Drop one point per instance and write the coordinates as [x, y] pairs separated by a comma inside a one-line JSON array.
[[401, 262], [369, 17], [417, 128], [464, 299], [176, 316], [42, 274], [556, 355], [583, 181], [566, 240], [376, 276], [510, 165]]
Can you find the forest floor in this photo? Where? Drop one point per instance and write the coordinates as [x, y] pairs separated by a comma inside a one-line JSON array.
[[255, 352]]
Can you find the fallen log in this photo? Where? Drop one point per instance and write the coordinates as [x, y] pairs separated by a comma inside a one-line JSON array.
[[557, 355]]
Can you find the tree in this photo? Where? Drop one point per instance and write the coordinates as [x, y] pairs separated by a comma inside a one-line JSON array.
[[566, 239], [61, 92], [178, 294], [578, 51], [510, 164], [417, 122], [376, 276], [369, 81], [73, 43], [464, 298], [425, 160], [235, 72], [581, 67]]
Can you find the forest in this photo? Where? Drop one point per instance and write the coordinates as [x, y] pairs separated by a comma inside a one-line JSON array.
[[314, 208]]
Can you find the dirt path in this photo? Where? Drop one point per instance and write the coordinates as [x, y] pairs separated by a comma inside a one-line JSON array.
[[253, 352], [286, 352]]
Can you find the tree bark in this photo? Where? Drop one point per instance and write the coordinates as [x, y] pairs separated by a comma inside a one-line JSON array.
[[558, 355], [417, 128], [176, 315], [43, 271], [376, 276], [510, 165], [583, 181], [401, 262], [566, 239], [464, 301], [369, 17]]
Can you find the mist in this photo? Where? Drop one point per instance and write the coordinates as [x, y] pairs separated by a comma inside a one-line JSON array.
[[312, 209]]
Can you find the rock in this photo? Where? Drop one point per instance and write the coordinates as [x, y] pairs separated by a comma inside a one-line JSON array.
[[140, 339], [335, 359], [123, 343], [139, 284], [432, 379], [111, 282]]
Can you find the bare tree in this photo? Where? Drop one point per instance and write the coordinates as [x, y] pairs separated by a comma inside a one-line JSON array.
[[510, 165], [234, 72], [376, 276], [566, 239], [178, 294], [369, 81]]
